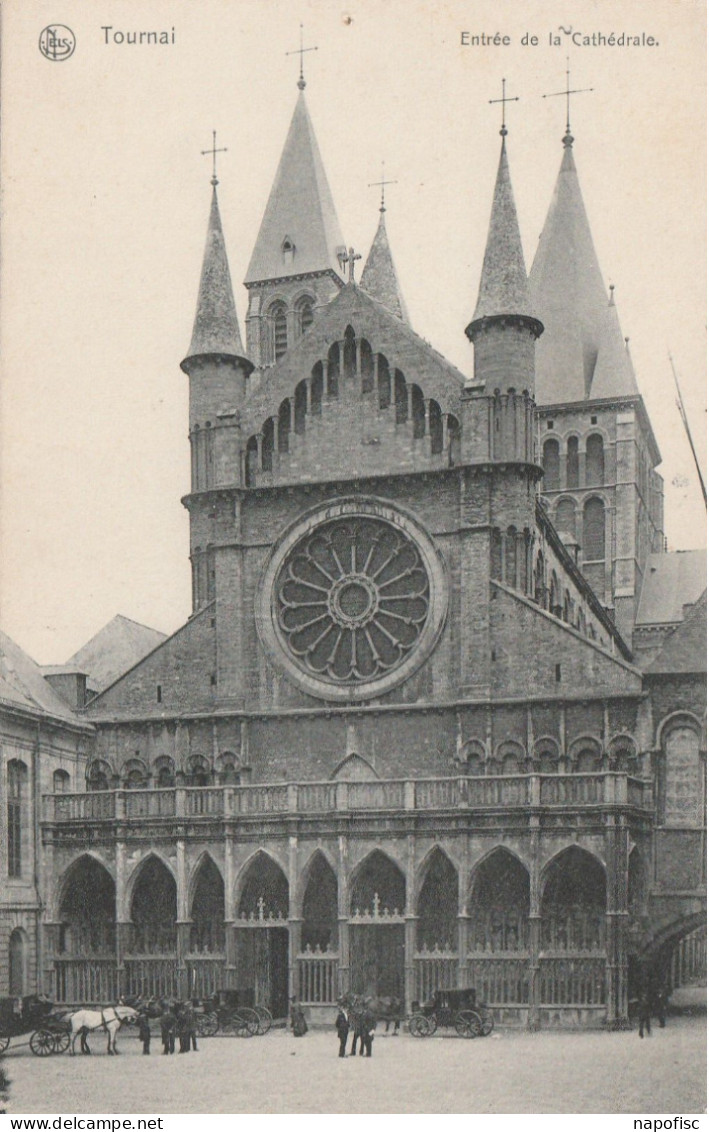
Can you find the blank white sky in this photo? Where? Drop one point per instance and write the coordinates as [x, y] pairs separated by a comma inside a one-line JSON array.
[[106, 200]]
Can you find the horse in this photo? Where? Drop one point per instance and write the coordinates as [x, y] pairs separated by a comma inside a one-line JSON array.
[[108, 1019]]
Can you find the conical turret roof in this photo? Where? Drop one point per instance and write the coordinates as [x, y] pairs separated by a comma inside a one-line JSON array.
[[300, 232], [379, 276], [582, 354], [503, 281], [216, 325]]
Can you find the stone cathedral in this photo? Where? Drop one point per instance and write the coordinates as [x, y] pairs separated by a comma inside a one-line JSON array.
[[437, 717]]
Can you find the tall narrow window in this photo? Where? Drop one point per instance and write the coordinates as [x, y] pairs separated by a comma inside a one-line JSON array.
[[279, 330], [16, 780], [566, 517], [572, 462], [61, 782], [550, 461], [304, 314], [595, 462], [594, 530]]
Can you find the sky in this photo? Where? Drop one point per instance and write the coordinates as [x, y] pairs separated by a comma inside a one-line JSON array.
[[105, 206]]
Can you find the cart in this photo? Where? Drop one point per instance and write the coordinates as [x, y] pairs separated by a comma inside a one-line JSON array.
[[48, 1032], [458, 1009]]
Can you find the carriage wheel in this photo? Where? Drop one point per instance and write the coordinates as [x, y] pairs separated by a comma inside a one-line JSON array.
[[4, 1042], [247, 1022], [488, 1021], [42, 1043], [207, 1024], [265, 1019], [419, 1026], [61, 1041], [432, 1025], [468, 1024]]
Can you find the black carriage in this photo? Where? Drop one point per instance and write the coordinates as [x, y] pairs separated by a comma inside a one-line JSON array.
[[232, 1012], [49, 1033], [458, 1009]]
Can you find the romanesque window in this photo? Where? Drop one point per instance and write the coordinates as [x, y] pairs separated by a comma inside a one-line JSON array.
[[418, 411], [279, 330], [594, 530], [349, 354], [333, 370], [304, 314], [435, 425], [566, 517], [384, 383], [550, 462], [595, 462], [572, 462], [288, 251], [164, 772], [18, 963], [401, 397], [511, 557], [284, 426], [60, 782], [16, 799], [99, 776], [228, 767]]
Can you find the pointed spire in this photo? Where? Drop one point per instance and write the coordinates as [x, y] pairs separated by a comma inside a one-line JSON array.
[[216, 325], [503, 281], [379, 278], [582, 354], [300, 233]]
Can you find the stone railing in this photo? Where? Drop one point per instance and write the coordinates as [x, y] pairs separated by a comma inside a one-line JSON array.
[[423, 794]]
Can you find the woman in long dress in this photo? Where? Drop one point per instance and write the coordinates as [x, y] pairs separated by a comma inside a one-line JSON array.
[[297, 1018]]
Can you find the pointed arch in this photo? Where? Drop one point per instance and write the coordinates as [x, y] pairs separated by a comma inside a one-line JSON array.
[[499, 902], [261, 890], [207, 906], [437, 903], [354, 768], [378, 882], [86, 908], [319, 905], [573, 901], [153, 907]]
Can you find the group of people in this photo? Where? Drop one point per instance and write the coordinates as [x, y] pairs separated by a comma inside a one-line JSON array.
[[177, 1021], [362, 1024]]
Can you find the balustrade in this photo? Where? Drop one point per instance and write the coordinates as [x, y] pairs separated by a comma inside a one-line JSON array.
[[500, 982], [572, 982], [317, 977], [85, 980], [151, 977], [149, 803]]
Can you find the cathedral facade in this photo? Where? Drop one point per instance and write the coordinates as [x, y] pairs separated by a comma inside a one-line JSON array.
[[403, 742]]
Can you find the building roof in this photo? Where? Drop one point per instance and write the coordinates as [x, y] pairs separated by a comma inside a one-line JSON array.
[[582, 354], [22, 684], [300, 210], [216, 325], [503, 280], [685, 648], [113, 650], [379, 278], [671, 581]]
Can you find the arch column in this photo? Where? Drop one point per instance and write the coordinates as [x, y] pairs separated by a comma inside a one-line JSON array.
[[183, 920], [343, 916], [295, 921], [410, 924], [463, 921], [535, 917], [616, 848]]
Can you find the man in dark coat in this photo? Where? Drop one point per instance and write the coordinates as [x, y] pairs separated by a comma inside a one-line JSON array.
[[644, 1013], [168, 1025], [343, 1028], [144, 1030], [368, 1025]]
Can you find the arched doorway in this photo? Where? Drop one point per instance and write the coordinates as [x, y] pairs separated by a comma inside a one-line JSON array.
[[86, 943], [573, 912], [377, 904], [318, 955], [205, 962], [261, 929], [151, 961], [498, 934], [17, 979], [436, 958]]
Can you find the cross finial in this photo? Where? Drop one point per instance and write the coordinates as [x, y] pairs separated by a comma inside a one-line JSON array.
[[372, 184], [350, 259], [503, 100], [567, 138], [214, 151], [301, 51]]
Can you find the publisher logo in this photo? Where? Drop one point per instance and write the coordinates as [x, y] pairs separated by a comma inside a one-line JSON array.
[[57, 42]]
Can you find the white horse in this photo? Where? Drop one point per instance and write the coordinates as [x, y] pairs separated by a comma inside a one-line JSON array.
[[108, 1019]]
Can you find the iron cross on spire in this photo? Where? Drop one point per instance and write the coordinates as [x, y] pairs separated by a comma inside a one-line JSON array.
[[503, 100], [372, 184], [214, 151], [567, 138], [301, 51], [350, 259]]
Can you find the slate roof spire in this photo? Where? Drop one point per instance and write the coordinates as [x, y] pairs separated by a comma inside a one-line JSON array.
[[503, 280], [379, 276], [300, 233], [216, 324], [582, 354]]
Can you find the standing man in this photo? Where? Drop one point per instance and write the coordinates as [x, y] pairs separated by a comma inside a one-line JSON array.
[[168, 1024], [369, 1024], [343, 1028], [144, 1031]]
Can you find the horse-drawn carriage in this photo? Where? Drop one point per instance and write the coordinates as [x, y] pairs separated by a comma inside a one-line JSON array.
[[228, 1012], [49, 1033], [455, 1008]]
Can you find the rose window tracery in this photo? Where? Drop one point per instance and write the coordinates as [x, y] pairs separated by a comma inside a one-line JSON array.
[[352, 599]]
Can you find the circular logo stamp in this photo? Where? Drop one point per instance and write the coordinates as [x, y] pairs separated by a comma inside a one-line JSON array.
[[57, 42]]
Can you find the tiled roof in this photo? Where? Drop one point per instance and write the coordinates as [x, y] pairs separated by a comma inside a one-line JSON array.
[[685, 648], [216, 325], [670, 582], [22, 684], [503, 281], [379, 278], [115, 649]]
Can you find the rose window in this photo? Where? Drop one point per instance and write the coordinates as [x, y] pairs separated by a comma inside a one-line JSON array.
[[352, 600]]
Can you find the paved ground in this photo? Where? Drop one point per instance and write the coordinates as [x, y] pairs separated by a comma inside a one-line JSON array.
[[511, 1071]]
